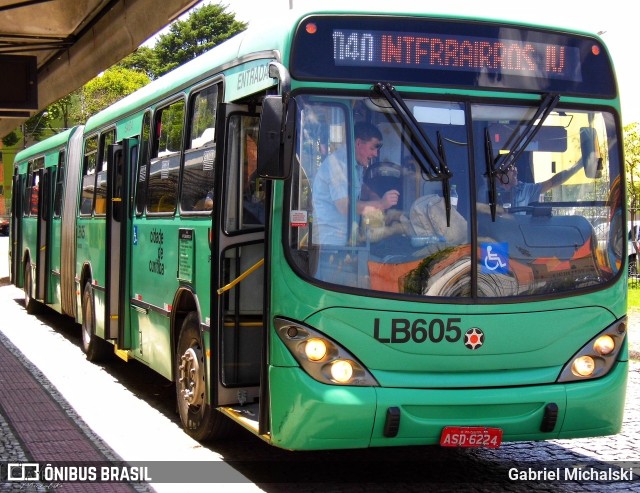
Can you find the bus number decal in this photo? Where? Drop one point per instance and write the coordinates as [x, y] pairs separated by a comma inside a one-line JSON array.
[[402, 330]]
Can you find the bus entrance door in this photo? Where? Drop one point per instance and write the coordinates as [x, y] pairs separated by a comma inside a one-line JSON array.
[[239, 281], [120, 164], [15, 248], [44, 233]]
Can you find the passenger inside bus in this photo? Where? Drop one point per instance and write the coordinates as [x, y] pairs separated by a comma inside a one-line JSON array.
[[331, 199]]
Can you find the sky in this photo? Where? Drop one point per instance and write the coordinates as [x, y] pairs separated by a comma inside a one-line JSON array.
[[612, 18]]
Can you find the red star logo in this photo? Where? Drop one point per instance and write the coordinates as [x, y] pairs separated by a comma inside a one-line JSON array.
[[474, 338]]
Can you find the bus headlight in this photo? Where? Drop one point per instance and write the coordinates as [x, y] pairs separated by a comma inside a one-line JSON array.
[[321, 357], [597, 357], [315, 349], [341, 371], [604, 344], [583, 366]]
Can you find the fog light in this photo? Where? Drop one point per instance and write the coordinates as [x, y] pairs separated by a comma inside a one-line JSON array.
[[315, 349], [604, 344], [341, 371], [583, 366]]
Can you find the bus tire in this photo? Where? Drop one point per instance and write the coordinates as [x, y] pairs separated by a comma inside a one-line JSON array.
[[94, 348], [199, 420], [30, 303]]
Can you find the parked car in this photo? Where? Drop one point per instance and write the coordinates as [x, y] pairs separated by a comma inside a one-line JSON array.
[[4, 226]]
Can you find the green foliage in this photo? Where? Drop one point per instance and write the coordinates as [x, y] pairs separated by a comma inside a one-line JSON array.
[[60, 111], [144, 60], [11, 139], [34, 128], [106, 89], [632, 163], [633, 292], [205, 28]]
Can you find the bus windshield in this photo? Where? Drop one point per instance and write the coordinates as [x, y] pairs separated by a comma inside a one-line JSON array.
[[510, 209]]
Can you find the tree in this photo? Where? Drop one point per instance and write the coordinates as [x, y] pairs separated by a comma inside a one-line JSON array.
[[632, 167], [112, 85], [203, 29], [632, 163], [33, 129], [61, 111], [144, 60]]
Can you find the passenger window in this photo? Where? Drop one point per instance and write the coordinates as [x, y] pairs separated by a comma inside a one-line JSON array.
[[245, 201], [89, 174], [57, 201], [143, 164], [198, 174], [106, 139], [162, 190]]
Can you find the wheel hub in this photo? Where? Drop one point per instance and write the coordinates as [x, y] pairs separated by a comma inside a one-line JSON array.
[[191, 377]]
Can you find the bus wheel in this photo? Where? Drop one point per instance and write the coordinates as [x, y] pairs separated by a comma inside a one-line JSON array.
[[30, 304], [199, 419], [94, 348]]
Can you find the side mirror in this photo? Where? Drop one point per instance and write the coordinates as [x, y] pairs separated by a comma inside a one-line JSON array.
[[275, 145], [591, 159]]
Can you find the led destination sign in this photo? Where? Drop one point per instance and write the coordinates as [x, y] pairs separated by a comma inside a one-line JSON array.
[[455, 52]]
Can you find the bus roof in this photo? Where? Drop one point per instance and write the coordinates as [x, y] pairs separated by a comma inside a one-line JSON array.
[[42, 147]]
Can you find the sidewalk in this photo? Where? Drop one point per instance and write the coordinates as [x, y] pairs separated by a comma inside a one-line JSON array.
[[38, 425]]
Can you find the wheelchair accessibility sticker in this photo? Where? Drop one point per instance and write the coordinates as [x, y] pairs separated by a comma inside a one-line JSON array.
[[495, 258]]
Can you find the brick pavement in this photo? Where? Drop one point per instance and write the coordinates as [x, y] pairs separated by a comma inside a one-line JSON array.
[[38, 425]]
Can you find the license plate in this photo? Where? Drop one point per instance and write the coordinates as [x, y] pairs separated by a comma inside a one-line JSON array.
[[471, 436]]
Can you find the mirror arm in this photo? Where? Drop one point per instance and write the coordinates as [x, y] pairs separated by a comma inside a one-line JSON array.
[[280, 72]]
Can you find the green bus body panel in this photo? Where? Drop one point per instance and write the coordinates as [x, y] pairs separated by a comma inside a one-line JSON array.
[[309, 415], [29, 238], [535, 355], [306, 414], [154, 283]]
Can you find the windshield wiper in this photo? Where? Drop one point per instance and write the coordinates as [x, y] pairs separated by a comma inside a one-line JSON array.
[[432, 160], [499, 164], [491, 173]]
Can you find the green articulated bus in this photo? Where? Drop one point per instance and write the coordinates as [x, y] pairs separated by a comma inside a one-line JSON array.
[[351, 229]]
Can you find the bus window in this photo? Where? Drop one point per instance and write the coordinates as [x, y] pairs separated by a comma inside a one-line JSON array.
[[364, 210], [57, 201], [197, 179], [162, 189], [143, 164], [33, 188], [245, 200], [26, 196], [106, 139], [89, 174]]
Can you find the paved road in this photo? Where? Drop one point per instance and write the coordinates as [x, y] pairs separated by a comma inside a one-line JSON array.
[[130, 410]]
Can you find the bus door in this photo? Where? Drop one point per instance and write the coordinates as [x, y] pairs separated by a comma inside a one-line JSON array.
[[17, 201], [238, 248], [121, 159], [44, 231]]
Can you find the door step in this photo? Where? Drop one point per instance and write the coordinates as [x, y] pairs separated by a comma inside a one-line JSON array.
[[246, 415]]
